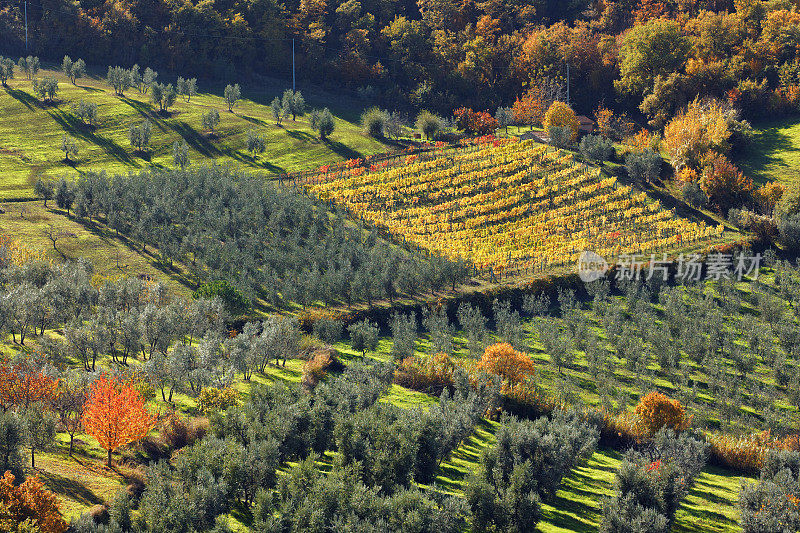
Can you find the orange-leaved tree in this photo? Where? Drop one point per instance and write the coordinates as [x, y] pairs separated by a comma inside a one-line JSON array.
[[21, 386], [501, 359], [29, 502], [115, 414], [656, 411]]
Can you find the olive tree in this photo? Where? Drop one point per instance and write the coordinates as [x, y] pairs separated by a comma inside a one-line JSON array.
[[232, 94], [210, 120]]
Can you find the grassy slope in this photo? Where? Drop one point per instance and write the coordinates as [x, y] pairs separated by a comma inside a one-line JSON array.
[[110, 256], [775, 152], [31, 132]]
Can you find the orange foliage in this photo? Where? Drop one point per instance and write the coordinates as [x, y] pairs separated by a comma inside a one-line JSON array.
[[562, 115], [501, 359], [30, 501], [13, 252], [22, 386], [115, 415], [767, 196], [430, 374], [604, 118], [530, 108], [475, 123], [656, 411], [644, 140], [745, 454], [724, 184]]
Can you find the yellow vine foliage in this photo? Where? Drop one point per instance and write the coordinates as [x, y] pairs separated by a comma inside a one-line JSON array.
[[562, 115]]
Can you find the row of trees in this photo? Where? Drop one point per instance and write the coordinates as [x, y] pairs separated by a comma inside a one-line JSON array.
[[268, 241]]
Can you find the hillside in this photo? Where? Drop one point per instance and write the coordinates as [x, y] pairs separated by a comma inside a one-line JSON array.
[[31, 131]]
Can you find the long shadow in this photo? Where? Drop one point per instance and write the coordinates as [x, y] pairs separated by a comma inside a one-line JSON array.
[[27, 100], [253, 120], [343, 150], [250, 161], [70, 488], [76, 128], [146, 110], [301, 136], [766, 147], [196, 140]]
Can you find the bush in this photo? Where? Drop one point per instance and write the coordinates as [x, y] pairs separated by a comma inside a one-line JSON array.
[[656, 411], [596, 148], [789, 204], [559, 136], [236, 304], [725, 185], [176, 432], [501, 359], [429, 124], [789, 229], [430, 375], [644, 165], [561, 115], [374, 120], [693, 194], [773, 504], [214, 399], [29, 504], [318, 366]]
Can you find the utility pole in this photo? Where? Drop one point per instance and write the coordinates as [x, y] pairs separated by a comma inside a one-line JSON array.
[[568, 84], [293, 84], [26, 27]]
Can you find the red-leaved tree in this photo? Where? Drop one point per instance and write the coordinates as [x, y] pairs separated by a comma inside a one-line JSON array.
[[115, 415]]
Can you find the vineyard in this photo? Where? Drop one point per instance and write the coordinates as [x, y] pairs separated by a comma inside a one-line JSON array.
[[515, 207]]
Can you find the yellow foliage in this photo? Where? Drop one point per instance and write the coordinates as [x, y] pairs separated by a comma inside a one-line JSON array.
[[700, 128], [562, 115]]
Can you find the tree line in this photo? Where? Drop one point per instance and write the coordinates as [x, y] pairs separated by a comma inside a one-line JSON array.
[[268, 241]]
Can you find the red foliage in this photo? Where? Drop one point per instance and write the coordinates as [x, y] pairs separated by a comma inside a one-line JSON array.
[[475, 122], [115, 415]]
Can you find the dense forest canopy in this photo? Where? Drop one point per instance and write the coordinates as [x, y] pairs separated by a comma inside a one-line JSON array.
[[654, 54]]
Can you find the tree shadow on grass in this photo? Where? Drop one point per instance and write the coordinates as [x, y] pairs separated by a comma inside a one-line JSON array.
[[69, 488], [343, 150], [251, 161], [302, 136], [71, 125], [196, 140], [254, 120], [27, 100], [766, 149], [147, 111]]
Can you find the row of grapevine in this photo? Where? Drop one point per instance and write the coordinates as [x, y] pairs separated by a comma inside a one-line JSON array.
[[507, 206]]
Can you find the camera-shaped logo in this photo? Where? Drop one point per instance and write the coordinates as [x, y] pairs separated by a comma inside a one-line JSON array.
[[591, 266]]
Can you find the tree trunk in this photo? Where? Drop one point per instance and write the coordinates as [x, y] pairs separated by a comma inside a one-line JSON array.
[[33, 458], [108, 461]]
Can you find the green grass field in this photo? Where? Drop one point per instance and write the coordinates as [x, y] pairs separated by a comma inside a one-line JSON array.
[[775, 152], [31, 131]]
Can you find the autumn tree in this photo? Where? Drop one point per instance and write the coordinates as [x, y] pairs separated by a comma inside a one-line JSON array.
[[22, 386], [115, 415], [656, 411], [704, 125], [29, 502], [561, 115], [501, 359], [69, 405], [724, 184], [655, 48]]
